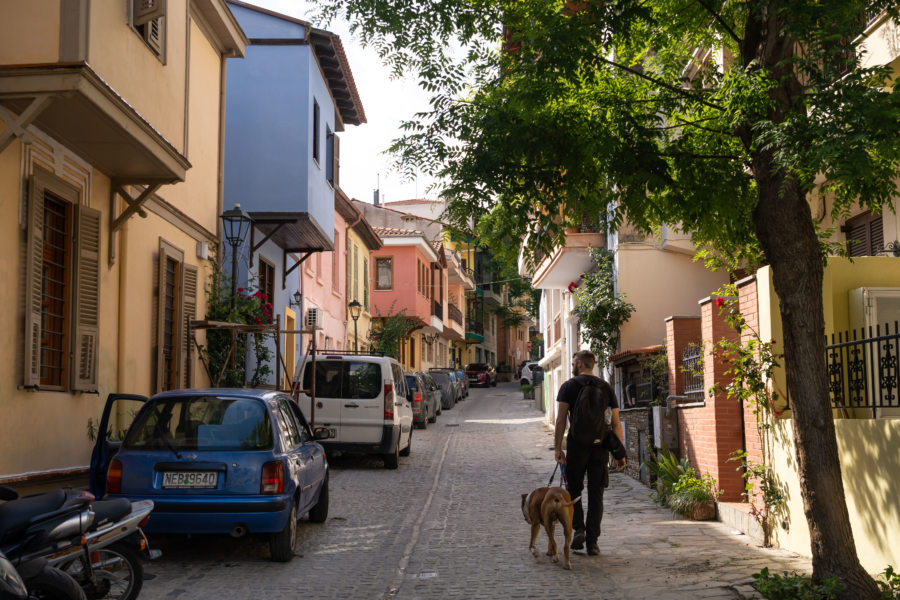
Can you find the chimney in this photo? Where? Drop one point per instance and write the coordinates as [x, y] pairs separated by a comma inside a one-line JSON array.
[[376, 197]]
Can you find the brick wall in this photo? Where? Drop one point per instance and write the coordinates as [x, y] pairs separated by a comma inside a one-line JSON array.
[[711, 432], [680, 332], [749, 307]]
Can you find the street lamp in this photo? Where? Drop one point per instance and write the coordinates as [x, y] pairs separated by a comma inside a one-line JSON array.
[[355, 310], [236, 226]]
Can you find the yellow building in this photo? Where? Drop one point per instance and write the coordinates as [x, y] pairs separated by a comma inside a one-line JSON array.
[[361, 240], [111, 118]]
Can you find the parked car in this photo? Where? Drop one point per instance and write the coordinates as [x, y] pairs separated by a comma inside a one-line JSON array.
[[435, 391], [464, 382], [228, 461], [481, 374], [454, 378], [527, 375], [362, 400], [421, 399], [449, 389]]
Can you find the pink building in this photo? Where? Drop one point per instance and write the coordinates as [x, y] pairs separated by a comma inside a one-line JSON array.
[[409, 275], [323, 285]]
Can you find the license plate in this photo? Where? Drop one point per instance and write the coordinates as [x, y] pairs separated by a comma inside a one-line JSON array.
[[190, 479]]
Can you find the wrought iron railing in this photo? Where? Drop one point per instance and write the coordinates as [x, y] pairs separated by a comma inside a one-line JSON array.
[[475, 326], [437, 309], [454, 313], [692, 367], [863, 368]]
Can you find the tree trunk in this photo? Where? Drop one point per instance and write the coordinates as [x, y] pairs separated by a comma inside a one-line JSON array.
[[788, 238]]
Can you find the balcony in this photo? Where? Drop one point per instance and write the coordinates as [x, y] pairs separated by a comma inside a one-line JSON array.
[[474, 331], [454, 313], [437, 309], [568, 262]]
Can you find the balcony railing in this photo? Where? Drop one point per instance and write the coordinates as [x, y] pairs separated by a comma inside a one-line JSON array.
[[454, 313], [863, 369], [437, 309], [475, 326]]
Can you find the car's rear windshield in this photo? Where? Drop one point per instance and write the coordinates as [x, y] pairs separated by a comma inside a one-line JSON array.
[[440, 377], [345, 379], [411, 382], [477, 367], [201, 423]]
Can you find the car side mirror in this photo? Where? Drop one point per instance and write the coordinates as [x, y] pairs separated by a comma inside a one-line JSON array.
[[322, 433]]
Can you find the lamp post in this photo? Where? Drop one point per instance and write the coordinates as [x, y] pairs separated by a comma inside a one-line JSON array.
[[355, 310], [236, 225]]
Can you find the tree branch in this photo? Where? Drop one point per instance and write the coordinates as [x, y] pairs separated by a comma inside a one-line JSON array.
[[721, 21], [674, 88]]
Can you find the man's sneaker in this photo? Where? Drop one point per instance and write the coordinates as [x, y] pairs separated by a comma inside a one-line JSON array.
[[578, 539], [593, 549]]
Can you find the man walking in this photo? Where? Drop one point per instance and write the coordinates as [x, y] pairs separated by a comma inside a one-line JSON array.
[[590, 458]]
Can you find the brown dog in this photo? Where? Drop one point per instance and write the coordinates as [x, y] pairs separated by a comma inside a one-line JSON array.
[[544, 506]]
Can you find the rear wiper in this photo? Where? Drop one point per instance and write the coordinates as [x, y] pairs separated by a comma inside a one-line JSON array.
[[166, 439]]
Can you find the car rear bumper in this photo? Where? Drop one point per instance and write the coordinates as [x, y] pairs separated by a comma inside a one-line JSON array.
[[390, 438], [257, 514]]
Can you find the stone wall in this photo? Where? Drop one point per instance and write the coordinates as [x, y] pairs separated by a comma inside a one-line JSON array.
[[638, 439]]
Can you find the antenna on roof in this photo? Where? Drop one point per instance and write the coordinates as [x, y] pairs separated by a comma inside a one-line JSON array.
[[377, 193]]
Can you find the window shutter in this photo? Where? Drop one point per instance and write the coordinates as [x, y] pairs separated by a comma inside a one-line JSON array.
[[189, 309], [144, 11], [33, 283], [167, 252], [876, 235], [336, 168], [153, 35], [865, 235], [86, 321]]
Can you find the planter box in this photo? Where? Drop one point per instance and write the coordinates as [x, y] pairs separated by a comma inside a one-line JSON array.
[[703, 512]]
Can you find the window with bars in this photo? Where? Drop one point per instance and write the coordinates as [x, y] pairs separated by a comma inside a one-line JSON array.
[[267, 279], [865, 235], [62, 287]]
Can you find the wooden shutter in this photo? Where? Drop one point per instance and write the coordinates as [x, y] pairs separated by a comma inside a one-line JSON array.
[[33, 282], [336, 167], [189, 310], [144, 11], [166, 252], [86, 313], [865, 235]]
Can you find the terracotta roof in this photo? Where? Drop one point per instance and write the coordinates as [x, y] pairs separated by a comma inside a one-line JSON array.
[[411, 202], [635, 352], [396, 232]]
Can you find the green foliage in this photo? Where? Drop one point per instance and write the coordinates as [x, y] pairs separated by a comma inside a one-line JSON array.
[[668, 470], [248, 306], [599, 309], [795, 586], [889, 584], [657, 366], [690, 491], [526, 388], [389, 332]]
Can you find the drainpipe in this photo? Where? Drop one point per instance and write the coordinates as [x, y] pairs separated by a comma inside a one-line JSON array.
[[121, 378]]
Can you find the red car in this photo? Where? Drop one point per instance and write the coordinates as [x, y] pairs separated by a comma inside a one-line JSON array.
[[481, 374]]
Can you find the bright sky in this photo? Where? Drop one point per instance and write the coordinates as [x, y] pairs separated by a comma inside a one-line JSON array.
[[386, 103]]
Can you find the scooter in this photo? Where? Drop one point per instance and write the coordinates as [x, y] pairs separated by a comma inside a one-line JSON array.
[[29, 530], [107, 562], [106, 559]]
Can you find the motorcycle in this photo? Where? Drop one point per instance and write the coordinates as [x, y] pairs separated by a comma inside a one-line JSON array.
[[106, 559], [29, 530]]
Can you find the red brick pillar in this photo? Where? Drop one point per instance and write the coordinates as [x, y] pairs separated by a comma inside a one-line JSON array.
[[680, 332]]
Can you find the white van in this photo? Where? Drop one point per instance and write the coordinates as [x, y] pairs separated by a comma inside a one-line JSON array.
[[362, 400]]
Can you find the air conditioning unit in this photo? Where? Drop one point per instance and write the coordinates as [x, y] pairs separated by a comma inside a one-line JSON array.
[[314, 318]]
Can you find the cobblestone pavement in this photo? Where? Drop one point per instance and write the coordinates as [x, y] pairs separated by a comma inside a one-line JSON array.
[[448, 524]]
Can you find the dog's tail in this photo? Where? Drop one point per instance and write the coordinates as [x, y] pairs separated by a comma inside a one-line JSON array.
[[572, 503], [525, 510]]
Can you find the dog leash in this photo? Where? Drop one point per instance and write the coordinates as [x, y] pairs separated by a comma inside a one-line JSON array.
[[564, 482]]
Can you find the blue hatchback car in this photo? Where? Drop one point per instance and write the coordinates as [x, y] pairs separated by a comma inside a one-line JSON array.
[[232, 461]]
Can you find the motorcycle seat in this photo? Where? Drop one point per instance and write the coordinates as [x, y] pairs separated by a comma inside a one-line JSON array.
[[16, 515], [110, 511]]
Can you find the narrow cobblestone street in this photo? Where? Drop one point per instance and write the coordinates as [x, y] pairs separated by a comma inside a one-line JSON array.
[[447, 524]]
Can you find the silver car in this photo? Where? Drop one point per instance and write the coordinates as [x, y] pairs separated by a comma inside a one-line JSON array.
[[449, 388]]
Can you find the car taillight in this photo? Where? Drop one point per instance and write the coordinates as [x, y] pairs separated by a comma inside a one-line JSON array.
[[272, 478], [114, 477], [389, 402], [418, 397]]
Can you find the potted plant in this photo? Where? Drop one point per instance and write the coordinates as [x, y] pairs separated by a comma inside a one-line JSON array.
[[694, 497], [527, 391]]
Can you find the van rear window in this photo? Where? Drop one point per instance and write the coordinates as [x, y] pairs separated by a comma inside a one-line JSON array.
[[344, 379]]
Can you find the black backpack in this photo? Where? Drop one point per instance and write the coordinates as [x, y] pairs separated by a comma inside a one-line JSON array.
[[587, 421]]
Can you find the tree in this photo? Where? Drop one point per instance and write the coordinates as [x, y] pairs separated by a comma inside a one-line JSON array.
[[389, 332], [723, 117]]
